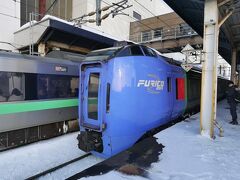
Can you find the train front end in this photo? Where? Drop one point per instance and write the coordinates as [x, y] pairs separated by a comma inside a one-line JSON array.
[[123, 96]]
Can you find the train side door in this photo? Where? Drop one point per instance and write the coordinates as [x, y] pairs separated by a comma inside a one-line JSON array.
[[91, 99]]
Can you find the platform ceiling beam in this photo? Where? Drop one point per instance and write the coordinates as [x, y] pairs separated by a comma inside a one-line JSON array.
[[226, 27], [222, 2]]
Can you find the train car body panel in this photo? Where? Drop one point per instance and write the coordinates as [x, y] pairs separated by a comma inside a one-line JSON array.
[[178, 97], [36, 118], [193, 92], [30, 64]]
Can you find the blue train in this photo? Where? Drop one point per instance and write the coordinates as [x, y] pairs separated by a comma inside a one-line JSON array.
[[128, 91]]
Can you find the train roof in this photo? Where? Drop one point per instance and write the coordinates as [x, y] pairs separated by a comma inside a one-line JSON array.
[[14, 62], [10, 55], [64, 55], [108, 53]]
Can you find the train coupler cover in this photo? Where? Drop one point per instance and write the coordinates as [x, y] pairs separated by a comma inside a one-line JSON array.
[[90, 141]]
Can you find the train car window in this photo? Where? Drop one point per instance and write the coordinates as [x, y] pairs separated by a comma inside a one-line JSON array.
[[148, 51], [4, 88], [31, 90], [103, 54], [93, 86], [153, 52], [180, 89], [56, 86], [45, 86], [108, 98], [169, 84], [124, 52], [11, 88], [136, 51]]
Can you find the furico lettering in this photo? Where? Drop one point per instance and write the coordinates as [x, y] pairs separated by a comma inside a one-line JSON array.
[[157, 84], [153, 85]]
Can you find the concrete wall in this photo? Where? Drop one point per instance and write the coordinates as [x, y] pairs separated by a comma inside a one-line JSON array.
[[119, 25], [10, 22]]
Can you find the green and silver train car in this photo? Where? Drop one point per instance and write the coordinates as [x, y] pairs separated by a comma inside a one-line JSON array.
[[38, 98]]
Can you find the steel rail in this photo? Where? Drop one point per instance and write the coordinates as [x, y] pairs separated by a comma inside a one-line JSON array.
[[58, 167]]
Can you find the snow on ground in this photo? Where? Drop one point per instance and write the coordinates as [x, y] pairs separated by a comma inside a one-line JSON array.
[[188, 155], [23, 162]]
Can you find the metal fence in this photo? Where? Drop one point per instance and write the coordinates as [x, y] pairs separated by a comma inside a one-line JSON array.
[[163, 34]]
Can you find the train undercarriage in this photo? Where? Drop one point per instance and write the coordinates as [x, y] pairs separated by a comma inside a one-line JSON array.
[[16, 138]]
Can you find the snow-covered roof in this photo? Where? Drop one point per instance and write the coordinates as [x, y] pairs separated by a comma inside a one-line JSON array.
[[49, 17]]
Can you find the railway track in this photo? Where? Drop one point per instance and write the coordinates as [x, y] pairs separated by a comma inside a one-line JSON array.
[[36, 176]]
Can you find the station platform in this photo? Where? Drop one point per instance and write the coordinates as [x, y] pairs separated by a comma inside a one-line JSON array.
[[178, 152]]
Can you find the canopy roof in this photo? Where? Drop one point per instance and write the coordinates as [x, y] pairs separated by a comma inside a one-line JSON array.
[[192, 11]]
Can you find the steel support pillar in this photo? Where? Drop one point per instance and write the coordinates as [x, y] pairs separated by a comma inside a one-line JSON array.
[[233, 65], [209, 71]]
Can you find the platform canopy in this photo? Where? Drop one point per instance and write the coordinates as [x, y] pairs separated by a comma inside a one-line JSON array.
[[192, 11], [55, 31]]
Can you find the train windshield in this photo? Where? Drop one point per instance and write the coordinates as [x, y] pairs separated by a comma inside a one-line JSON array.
[[103, 54]]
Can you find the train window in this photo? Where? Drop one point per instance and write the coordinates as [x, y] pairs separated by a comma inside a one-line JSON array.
[[11, 88], [44, 86], [108, 98], [124, 52], [169, 84], [103, 54], [136, 51], [31, 86], [148, 52], [20, 86], [180, 89], [153, 52], [93, 86], [4, 88], [56, 86]]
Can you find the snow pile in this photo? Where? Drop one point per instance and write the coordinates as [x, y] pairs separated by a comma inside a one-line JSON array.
[[27, 25]]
